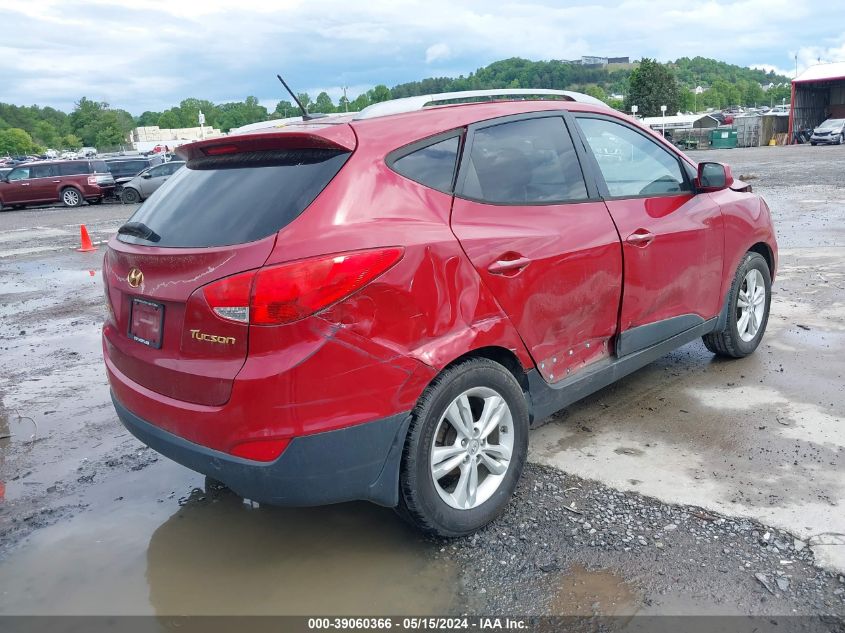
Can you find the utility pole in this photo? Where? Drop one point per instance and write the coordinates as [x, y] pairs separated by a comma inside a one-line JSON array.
[[345, 100]]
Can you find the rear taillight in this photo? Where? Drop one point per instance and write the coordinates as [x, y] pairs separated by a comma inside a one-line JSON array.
[[288, 292], [229, 297]]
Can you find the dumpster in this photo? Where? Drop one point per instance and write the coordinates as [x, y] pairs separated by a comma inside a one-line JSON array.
[[723, 138]]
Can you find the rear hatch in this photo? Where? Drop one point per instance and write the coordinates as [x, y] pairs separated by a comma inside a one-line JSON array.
[[217, 217], [101, 174]]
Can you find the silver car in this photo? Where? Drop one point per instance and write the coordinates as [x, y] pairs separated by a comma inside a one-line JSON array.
[[831, 131], [144, 184]]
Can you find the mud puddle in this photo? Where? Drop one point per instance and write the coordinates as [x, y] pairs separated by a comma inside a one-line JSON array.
[[147, 546], [594, 592]]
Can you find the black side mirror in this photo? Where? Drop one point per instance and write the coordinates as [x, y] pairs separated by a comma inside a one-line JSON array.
[[713, 177]]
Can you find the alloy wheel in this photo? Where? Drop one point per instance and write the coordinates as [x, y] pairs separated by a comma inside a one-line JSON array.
[[472, 448], [750, 305], [70, 197]]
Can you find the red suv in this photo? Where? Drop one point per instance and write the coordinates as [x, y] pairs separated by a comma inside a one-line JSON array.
[[380, 306], [68, 181]]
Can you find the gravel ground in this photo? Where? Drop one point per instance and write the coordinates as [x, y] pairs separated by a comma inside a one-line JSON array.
[[664, 558]]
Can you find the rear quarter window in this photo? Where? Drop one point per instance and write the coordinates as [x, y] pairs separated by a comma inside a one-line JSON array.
[[73, 168], [235, 199], [432, 165]]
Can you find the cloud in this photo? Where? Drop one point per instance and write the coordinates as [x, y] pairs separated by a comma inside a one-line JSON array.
[[436, 52], [149, 56]]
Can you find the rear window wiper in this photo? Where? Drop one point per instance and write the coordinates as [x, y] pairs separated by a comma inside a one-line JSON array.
[[139, 229]]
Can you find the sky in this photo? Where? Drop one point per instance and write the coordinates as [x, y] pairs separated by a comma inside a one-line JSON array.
[[150, 54]]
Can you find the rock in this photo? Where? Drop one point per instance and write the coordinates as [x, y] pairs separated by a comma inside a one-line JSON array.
[[782, 582], [670, 527], [764, 580], [781, 545], [798, 544]]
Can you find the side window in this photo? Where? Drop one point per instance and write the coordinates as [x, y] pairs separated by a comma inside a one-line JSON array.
[[524, 162], [19, 173], [44, 171], [432, 166], [172, 168], [155, 172], [73, 168], [631, 163]]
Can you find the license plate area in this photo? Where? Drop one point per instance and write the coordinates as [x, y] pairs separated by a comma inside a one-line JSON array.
[[146, 320]]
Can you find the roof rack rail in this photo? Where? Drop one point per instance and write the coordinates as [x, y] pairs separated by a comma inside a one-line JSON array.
[[412, 104]]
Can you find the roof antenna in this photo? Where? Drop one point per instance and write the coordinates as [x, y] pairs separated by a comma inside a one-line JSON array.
[[305, 115]]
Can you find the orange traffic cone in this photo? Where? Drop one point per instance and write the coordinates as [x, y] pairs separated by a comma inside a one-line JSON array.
[[86, 245]]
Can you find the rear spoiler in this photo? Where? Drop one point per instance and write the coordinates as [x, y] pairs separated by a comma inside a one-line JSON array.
[[337, 137]]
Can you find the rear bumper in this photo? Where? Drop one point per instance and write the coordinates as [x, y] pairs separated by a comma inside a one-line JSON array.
[[360, 462]]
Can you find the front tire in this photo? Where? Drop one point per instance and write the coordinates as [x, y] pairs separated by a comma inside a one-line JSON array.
[[71, 197], [750, 299], [130, 196], [465, 450]]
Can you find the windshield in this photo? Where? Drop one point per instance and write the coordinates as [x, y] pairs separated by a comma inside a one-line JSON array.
[[832, 124]]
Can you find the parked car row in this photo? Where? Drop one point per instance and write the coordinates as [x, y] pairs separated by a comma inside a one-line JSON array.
[[92, 180]]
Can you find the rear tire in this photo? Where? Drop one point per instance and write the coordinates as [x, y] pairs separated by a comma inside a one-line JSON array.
[[480, 465], [130, 196], [71, 197], [748, 311]]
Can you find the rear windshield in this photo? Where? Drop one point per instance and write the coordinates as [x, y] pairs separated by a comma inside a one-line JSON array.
[[235, 199]]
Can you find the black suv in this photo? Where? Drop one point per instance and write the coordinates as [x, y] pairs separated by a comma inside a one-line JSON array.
[[126, 168]]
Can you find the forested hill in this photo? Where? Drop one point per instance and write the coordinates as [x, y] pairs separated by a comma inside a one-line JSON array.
[[31, 129], [523, 73]]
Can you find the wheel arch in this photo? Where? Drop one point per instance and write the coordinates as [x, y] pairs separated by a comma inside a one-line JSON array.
[[501, 355], [765, 250]]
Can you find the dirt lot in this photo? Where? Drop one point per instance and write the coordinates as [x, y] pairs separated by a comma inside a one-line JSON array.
[[692, 486]]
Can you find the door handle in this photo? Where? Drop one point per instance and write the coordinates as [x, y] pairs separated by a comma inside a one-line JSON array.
[[24, 184], [640, 237], [57, 181], [502, 266]]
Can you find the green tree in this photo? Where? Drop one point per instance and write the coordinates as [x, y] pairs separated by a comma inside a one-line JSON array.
[[169, 120], [597, 92], [285, 109], [111, 130], [46, 134], [687, 101], [651, 85], [323, 103], [379, 93], [359, 103], [189, 110], [15, 141], [147, 118], [305, 100], [71, 141]]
